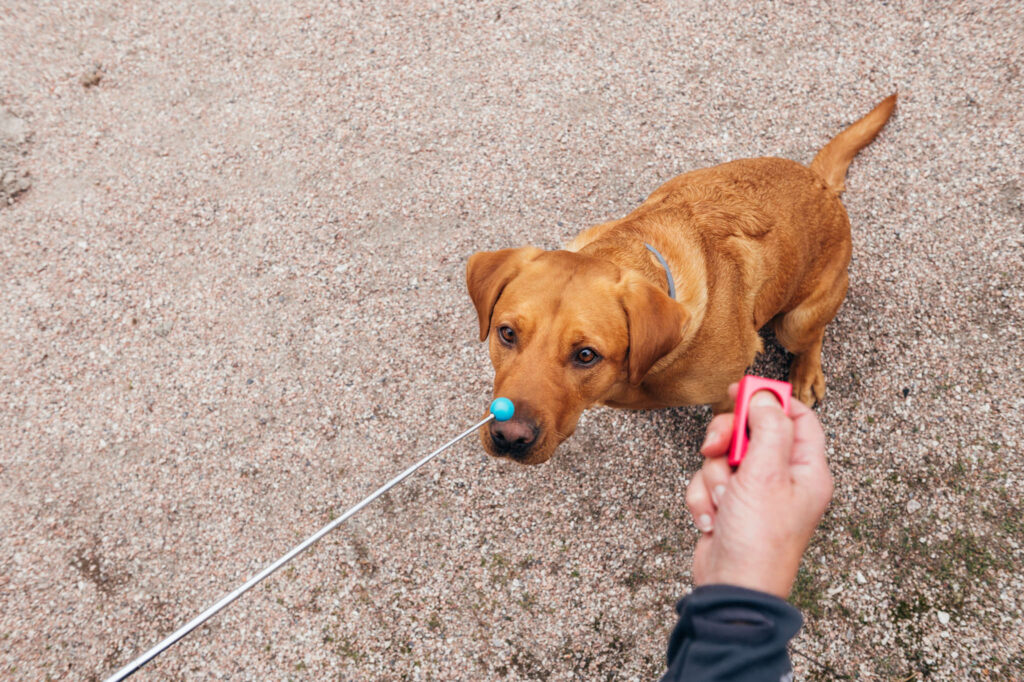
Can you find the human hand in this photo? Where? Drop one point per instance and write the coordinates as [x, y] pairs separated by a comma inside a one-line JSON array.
[[756, 522]]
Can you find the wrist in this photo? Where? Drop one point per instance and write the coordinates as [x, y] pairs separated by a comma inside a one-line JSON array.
[[775, 578]]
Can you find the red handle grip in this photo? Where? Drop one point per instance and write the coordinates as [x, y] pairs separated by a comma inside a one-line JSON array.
[[749, 385]]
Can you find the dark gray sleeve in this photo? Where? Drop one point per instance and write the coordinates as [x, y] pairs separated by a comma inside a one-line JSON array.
[[731, 633]]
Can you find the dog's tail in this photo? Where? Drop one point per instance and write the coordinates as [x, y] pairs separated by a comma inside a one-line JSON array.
[[834, 158]]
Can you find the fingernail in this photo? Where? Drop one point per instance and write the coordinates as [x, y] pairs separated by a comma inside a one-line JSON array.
[[765, 399], [704, 523], [709, 439], [716, 494]]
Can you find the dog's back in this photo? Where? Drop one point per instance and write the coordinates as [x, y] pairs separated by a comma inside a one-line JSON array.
[[778, 206]]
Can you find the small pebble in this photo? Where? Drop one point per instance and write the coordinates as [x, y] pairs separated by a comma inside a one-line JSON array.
[[92, 76]]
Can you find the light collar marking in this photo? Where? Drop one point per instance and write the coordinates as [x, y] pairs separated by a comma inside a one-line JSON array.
[[668, 273]]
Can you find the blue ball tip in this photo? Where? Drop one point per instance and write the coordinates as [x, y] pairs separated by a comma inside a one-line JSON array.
[[502, 409]]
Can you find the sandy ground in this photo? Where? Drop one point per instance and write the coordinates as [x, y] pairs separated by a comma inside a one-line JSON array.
[[233, 304]]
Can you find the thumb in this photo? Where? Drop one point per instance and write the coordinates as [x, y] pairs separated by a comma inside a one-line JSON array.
[[771, 438]]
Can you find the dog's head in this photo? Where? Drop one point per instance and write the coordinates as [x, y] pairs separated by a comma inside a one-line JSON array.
[[566, 330]]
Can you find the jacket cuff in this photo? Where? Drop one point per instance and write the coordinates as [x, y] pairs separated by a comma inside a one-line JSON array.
[[727, 612]]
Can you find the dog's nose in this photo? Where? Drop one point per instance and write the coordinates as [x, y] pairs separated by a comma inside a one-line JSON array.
[[513, 437]]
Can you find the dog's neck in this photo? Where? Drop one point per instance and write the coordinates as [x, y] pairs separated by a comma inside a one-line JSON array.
[[681, 266]]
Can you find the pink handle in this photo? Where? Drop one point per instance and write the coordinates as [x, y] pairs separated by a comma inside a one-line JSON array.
[[749, 385]]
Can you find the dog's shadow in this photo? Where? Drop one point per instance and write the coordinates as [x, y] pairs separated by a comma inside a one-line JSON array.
[[774, 362], [686, 426]]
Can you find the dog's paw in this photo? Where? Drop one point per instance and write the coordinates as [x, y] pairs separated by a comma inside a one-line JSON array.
[[808, 384]]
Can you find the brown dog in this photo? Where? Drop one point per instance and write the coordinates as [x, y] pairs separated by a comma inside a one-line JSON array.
[[744, 243]]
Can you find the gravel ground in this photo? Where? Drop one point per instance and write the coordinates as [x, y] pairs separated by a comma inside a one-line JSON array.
[[233, 304]]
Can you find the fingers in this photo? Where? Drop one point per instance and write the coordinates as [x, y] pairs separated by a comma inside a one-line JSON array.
[[706, 492], [716, 442], [719, 433], [698, 501], [716, 477]]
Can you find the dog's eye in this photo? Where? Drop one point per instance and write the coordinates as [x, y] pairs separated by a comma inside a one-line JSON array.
[[507, 334], [586, 356]]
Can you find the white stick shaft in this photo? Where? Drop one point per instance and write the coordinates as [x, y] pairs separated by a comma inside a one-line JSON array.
[[227, 599]]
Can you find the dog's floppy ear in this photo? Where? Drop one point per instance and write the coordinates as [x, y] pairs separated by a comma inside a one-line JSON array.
[[655, 326], [488, 272]]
